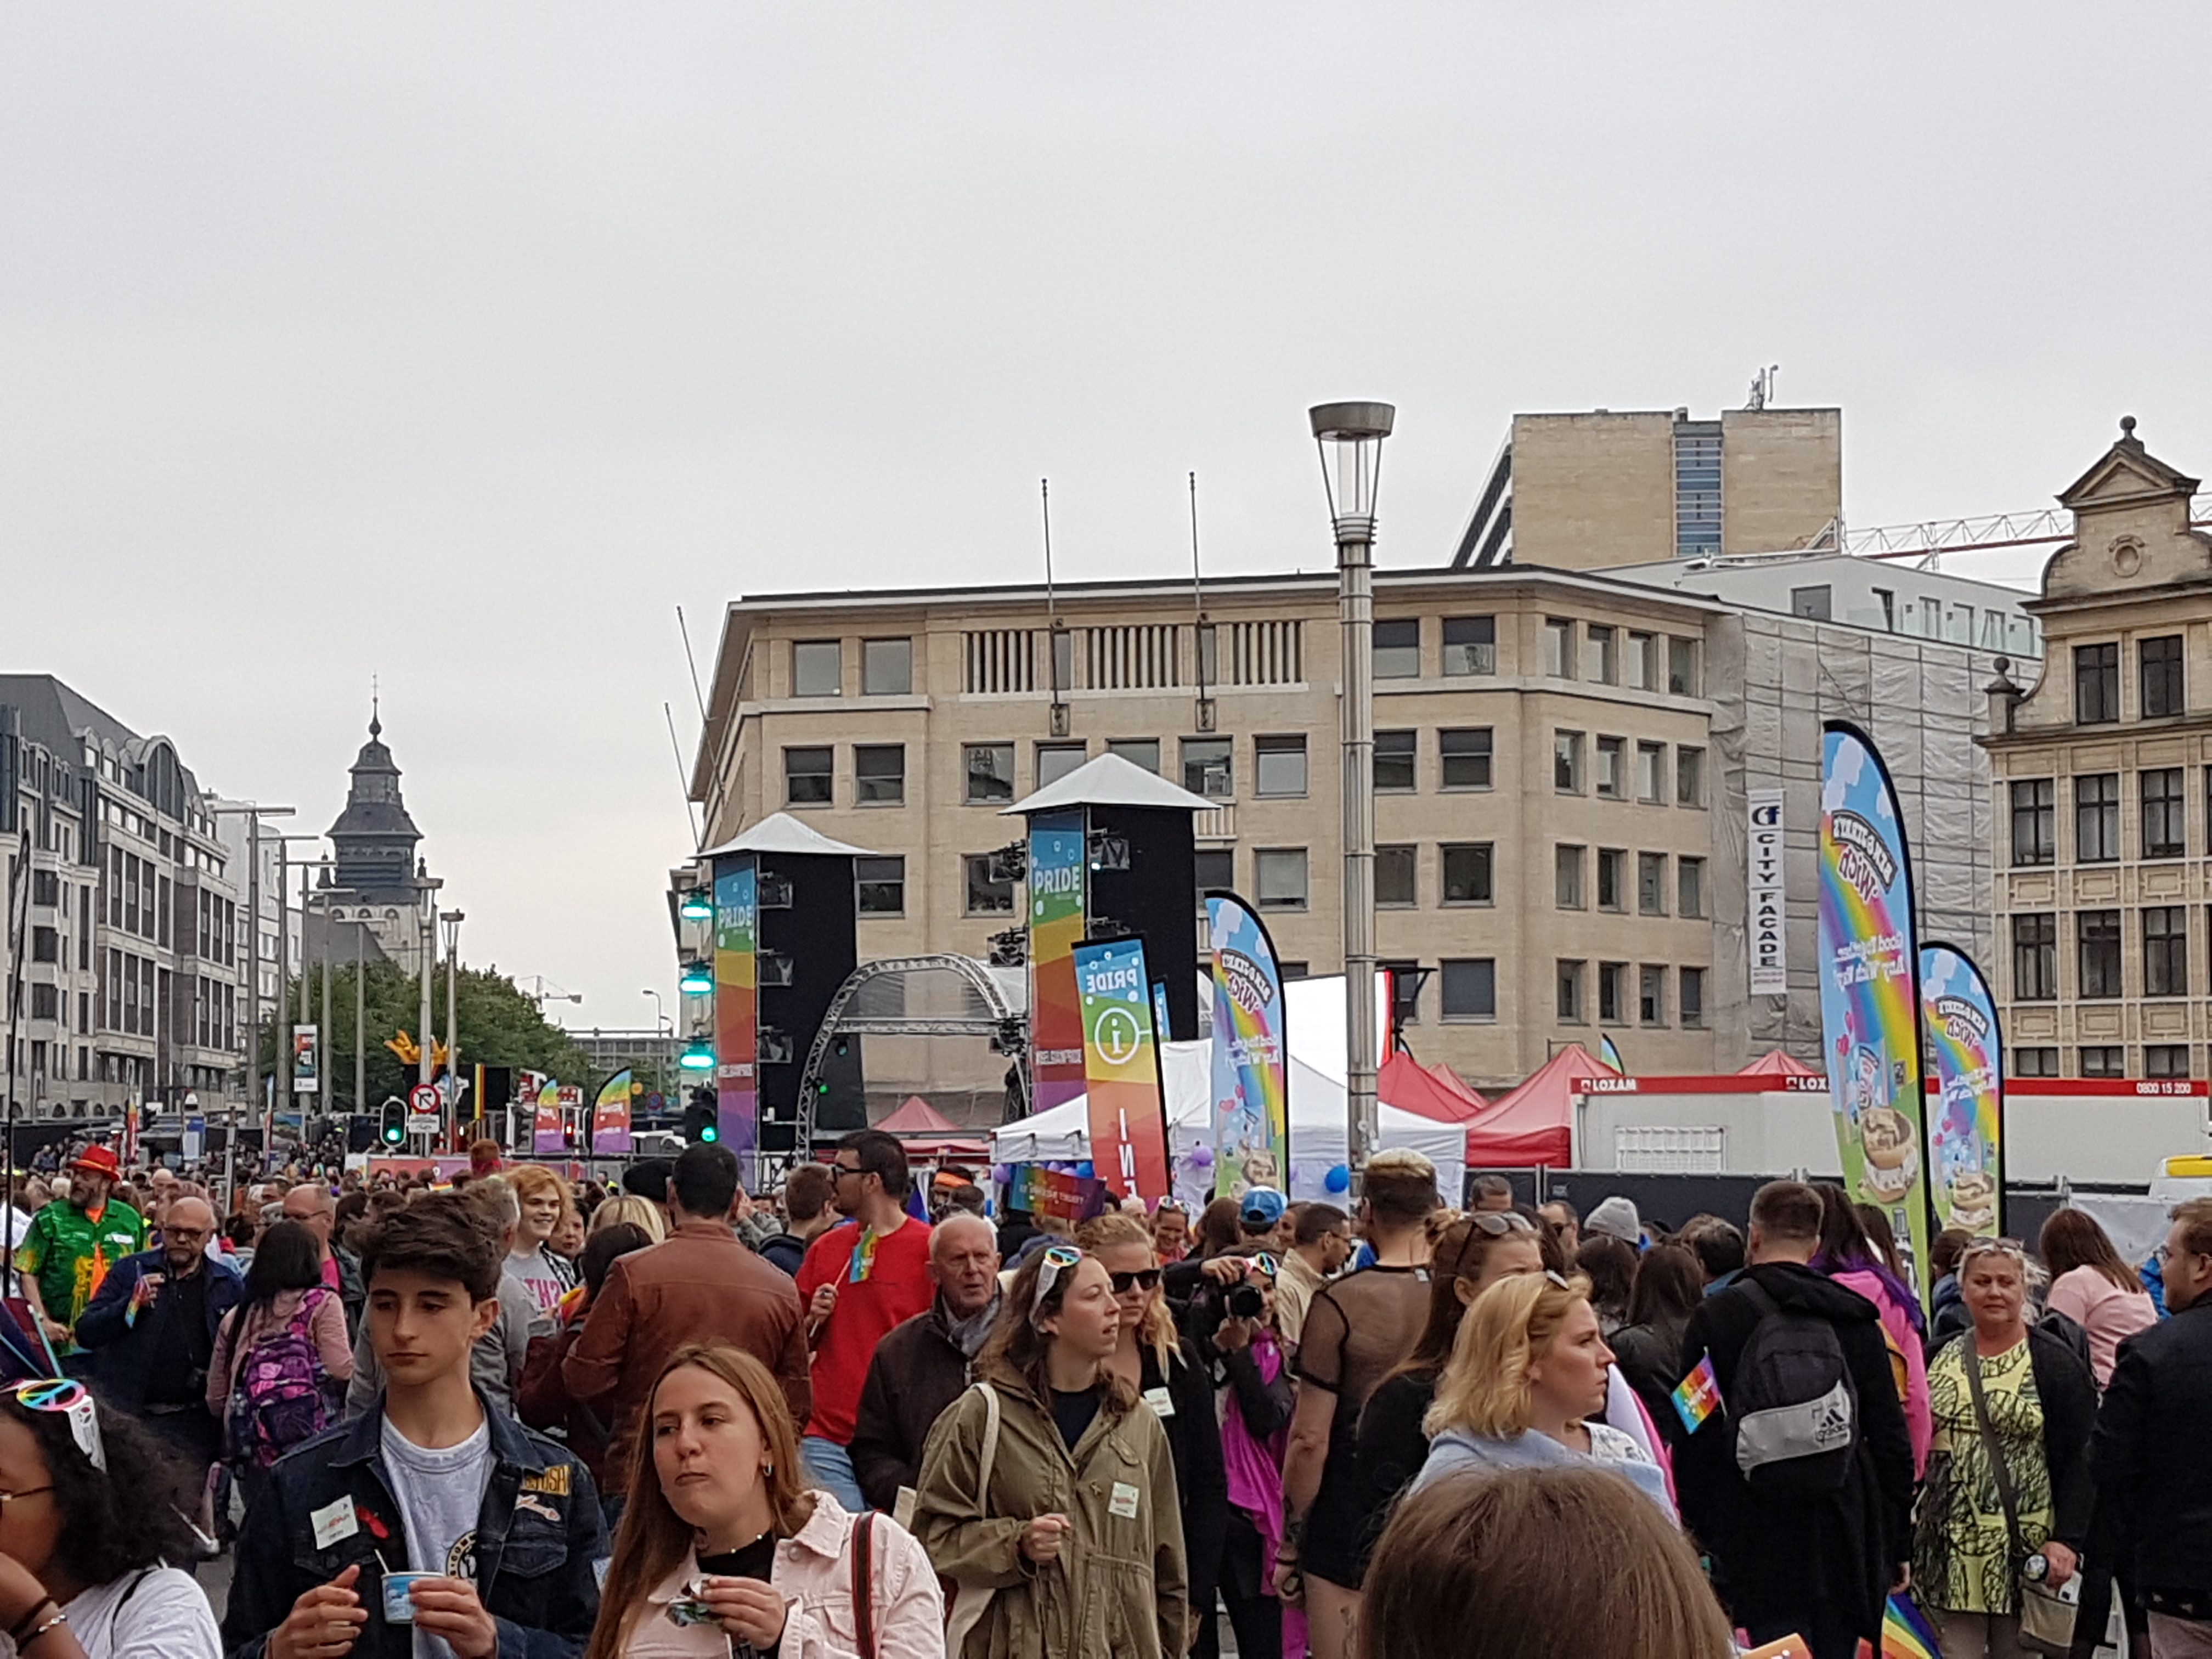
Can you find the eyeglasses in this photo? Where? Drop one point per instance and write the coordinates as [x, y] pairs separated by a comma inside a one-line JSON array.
[[1144, 1278], [837, 1169], [1057, 1260], [1498, 1222]]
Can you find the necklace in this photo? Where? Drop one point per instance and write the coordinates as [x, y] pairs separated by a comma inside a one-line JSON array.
[[740, 1548]]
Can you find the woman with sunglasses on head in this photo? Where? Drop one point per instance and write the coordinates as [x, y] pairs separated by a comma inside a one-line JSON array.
[[1045, 1494], [2013, 1405], [1172, 1376], [94, 1548]]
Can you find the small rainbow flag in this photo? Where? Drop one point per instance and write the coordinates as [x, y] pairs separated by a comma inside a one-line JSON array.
[[1698, 1395], [1906, 1632]]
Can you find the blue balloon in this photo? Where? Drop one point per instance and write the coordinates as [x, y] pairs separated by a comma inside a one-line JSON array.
[[1338, 1180], [1085, 1171]]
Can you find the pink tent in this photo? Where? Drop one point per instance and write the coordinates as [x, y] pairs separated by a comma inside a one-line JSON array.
[[927, 1133], [1535, 1123], [1433, 1091], [1780, 1063]]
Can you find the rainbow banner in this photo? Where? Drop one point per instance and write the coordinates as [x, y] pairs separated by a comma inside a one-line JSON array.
[[1869, 989], [1121, 1069], [1057, 875], [1966, 1136], [1698, 1395], [547, 1133], [1251, 1061], [737, 1007], [1070, 1198], [610, 1116], [1905, 1631]]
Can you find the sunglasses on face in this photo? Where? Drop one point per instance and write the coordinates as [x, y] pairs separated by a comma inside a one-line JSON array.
[[1143, 1278]]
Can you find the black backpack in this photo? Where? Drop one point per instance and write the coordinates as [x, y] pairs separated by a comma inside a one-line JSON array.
[[1792, 1408]]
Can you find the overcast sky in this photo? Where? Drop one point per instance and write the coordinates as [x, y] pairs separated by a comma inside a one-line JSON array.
[[459, 344]]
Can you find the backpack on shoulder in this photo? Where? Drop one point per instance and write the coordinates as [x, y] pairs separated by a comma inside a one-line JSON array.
[[280, 1394], [1792, 1407]]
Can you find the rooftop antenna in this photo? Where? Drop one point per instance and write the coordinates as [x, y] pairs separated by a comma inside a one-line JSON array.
[[683, 783], [1762, 386], [684, 629], [1059, 629], [375, 707], [1203, 636]]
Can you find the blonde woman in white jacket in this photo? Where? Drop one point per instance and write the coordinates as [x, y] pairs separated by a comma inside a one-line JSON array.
[[724, 1553]]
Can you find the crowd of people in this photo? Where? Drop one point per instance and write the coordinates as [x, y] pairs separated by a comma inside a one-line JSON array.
[[510, 1415]]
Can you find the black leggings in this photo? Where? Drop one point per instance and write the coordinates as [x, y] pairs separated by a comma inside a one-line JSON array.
[[1255, 1615]]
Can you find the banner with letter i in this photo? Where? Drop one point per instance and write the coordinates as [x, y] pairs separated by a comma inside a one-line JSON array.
[[1251, 1061], [1121, 1069], [1871, 991], [1966, 1138]]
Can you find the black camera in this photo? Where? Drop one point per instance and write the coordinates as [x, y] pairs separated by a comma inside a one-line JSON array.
[[1243, 1302]]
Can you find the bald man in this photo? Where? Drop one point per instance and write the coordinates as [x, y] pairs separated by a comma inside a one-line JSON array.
[[150, 1329], [921, 1366]]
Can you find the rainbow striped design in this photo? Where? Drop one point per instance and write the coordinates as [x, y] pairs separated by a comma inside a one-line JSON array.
[[1905, 1631], [1698, 1395]]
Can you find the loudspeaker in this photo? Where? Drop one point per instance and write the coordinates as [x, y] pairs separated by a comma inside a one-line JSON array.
[[809, 946], [1144, 881]]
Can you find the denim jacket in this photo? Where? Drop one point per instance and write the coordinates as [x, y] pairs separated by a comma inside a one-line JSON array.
[[122, 1346], [539, 1542]]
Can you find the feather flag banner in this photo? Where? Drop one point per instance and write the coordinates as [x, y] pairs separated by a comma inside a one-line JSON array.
[[1905, 1631]]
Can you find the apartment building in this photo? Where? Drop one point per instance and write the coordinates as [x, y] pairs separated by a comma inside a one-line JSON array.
[[133, 939], [2102, 790]]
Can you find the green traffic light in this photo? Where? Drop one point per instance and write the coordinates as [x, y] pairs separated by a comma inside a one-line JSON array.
[[710, 1133]]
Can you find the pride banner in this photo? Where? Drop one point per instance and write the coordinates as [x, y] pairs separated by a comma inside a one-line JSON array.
[[737, 1006], [1967, 1135], [1070, 1198], [1869, 988], [610, 1116], [1251, 1064], [546, 1135], [1121, 1069], [1057, 871]]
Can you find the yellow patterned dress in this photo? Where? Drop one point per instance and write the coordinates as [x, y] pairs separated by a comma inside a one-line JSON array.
[[1962, 1558]]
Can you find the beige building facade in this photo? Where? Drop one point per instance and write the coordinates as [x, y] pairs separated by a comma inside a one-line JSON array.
[[2102, 781]]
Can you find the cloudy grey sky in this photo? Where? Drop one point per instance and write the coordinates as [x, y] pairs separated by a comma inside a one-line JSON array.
[[460, 343]]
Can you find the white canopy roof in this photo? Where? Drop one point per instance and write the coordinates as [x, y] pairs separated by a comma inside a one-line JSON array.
[[780, 832], [1109, 781]]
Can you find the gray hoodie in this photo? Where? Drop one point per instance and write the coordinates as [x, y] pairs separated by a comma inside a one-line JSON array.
[[1456, 1450]]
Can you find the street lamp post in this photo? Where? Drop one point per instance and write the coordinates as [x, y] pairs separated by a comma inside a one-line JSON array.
[[253, 812], [453, 921], [1350, 439]]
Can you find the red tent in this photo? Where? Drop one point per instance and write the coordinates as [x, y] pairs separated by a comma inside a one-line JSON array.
[[1535, 1123], [1433, 1091], [927, 1133], [1778, 1064]]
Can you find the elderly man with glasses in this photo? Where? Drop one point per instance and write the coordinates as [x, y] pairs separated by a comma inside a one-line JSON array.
[[315, 1207]]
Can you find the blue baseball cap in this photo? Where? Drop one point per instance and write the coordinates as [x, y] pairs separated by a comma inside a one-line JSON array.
[[1261, 1206]]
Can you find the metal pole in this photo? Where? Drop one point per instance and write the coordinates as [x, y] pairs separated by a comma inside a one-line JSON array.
[[360, 1024], [428, 941], [1355, 608], [253, 1001], [280, 1079], [452, 1026]]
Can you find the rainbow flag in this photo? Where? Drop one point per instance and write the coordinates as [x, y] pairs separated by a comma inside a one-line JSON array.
[[1698, 1395], [1905, 1631]]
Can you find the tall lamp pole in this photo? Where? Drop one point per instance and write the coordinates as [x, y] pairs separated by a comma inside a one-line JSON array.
[[453, 921], [253, 812], [1350, 439]]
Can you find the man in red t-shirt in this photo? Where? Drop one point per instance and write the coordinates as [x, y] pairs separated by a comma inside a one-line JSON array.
[[866, 1274]]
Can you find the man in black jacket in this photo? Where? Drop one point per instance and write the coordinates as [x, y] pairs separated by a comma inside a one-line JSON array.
[[1820, 1565], [923, 1365], [2152, 1452]]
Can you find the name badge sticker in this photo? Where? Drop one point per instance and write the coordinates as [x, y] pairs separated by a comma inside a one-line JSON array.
[[1124, 1501], [1157, 1399], [334, 1520]]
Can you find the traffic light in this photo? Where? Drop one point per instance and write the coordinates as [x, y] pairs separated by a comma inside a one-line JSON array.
[[700, 1118], [394, 1130]]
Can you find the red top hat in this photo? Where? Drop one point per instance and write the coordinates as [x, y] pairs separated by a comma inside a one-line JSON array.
[[98, 1160]]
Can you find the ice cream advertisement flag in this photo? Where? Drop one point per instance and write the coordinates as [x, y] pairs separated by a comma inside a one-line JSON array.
[[1698, 1395], [1967, 1131], [1251, 1062], [610, 1117], [1869, 988]]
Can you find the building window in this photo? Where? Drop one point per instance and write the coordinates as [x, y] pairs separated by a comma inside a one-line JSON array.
[[886, 668], [1279, 873], [817, 668], [2035, 958], [45, 1002], [1470, 989], [2105, 1061], [2097, 818], [1208, 769], [1394, 868], [1567, 762], [881, 885], [2096, 683], [1054, 761], [990, 771], [1690, 887], [2166, 950], [1394, 753], [1697, 488], [2035, 821], [1467, 870], [45, 888], [1141, 752], [808, 777], [45, 944], [1811, 602], [1651, 996], [1463, 756], [2168, 1060], [880, 774], [1689, 777], [1612, 879], [1613, 993], [1278, 766], [1692, 993], [2162, 677], [1569, 995], [1652, 883], [987, 896], [1601, 665], [1398, 649], [1609, 780], [2035, 1062], [2165, 826], [1215, 869], [1470, 645], [1567, 877], [1682, 676], [1642, 663], [1559, 647], [1651, 771], [2097, 936]]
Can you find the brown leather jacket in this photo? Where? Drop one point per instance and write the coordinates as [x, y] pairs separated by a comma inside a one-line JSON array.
[[699, 1285]]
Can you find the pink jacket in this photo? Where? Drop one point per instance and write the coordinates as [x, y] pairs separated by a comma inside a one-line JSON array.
[[814, 1571], [1919, 1419], [327, 1326]]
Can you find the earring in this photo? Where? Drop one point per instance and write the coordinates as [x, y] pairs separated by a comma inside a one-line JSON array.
[[767, 1470]]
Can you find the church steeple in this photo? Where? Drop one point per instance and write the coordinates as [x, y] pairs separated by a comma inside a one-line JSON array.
[[374, 838]]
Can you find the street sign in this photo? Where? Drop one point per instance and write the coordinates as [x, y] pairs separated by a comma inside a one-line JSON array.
[[424, 1097], [424, 1123]]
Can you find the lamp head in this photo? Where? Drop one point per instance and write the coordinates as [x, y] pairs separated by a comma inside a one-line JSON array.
[[1350, 437]]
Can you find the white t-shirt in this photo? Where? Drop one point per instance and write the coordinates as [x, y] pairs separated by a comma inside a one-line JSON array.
[[537, 1275], [158, 1613], [440, 1497]]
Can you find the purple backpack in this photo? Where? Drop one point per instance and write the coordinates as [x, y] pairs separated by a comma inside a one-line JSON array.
[[280, 1395]]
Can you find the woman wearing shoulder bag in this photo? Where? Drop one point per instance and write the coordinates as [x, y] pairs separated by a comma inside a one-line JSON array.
[[2007, 1503], [282, 1359], [1046, 1495]]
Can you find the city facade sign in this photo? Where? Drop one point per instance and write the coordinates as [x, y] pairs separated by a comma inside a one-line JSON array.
[[1765, 930]]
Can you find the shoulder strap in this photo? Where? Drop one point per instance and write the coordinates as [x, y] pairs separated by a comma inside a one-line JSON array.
[[864, 1581], [1972, 1359], [990, 1454], [1759, 1297]]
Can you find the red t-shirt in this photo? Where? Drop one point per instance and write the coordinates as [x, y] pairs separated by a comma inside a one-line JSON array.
[[894, 1286]]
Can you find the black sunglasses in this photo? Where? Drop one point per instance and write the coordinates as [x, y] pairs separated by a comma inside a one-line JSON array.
[[1145, 1279]]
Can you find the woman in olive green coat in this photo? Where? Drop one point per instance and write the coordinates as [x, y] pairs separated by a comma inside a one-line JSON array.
[[1046, 1491]]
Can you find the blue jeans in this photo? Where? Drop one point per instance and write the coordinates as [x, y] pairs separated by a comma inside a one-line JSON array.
[[831, 1467]]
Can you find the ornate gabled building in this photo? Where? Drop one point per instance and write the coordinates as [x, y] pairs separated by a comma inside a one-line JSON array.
[[379, 879]]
